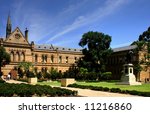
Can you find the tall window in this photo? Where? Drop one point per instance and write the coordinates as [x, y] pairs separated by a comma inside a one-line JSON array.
[[60, 59], [22, 57], [75, 58], [52, 59], [36, 58], [17, 56], [66, 59], [12, 56], [44, 58]]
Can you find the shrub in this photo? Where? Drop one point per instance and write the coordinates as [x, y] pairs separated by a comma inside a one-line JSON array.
[[106, 76], [25, 90], [115, 90], [39, 75], [1, 80], [30, 74]]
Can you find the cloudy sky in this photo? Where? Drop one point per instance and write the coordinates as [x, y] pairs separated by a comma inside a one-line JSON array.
[[63, 22]]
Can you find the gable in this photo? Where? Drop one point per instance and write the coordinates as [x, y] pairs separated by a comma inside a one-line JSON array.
[[16, 37]]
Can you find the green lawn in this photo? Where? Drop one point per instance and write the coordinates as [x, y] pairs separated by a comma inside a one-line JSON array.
[[52, 83], [143, 87], [111, 84]]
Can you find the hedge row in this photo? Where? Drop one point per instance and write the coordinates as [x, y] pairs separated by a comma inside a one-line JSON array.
[[114, 90], [26, 90]]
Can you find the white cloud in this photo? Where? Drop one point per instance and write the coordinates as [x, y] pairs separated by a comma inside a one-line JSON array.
[[100, 13]]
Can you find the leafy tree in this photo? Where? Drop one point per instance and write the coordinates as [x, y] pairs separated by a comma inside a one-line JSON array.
[[96, 49], [25, 66], [4, 58], [143, 40], [145, 36]]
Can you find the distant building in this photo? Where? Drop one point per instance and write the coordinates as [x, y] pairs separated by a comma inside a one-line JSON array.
[[118, 58]]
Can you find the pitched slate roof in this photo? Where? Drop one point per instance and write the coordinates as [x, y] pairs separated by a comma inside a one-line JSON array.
[[125, 48], [52, 48]]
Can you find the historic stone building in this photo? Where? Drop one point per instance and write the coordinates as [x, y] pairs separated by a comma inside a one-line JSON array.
[[43, 57], [118, 58]]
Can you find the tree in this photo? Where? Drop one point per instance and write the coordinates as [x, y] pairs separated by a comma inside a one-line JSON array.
[[25, 66], [145, 36], [96, 49], [4, 58], [143, 40]]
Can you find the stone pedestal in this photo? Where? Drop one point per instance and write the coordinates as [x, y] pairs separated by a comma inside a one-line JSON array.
[[32, 80], [128, 78], [66, 81]]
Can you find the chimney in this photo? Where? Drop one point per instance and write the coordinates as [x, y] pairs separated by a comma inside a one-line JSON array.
[[26, 34]]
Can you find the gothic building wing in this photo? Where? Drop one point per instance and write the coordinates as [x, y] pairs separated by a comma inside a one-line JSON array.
[[17, 37]]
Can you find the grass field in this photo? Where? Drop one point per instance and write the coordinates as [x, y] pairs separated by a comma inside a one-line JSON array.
[[143, 87], [111, 84], [52, 83]]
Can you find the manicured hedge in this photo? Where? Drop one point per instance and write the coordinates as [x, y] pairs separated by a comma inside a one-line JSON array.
[[115, 90], [26, 90], [1, 80]]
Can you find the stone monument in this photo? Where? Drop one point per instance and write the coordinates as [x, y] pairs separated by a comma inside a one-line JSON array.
[[128, 78]]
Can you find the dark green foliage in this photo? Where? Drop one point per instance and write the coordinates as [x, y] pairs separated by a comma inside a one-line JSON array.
[[145, 36], [96, 49], [106, 76], [30, 74], [4, 58], [1, 80], [26, 90], [114, 90], [39, 75], [21, 73], [46, 75]]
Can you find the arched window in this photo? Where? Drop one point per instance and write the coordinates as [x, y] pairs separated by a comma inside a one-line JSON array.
[[17, 56], [52, 59], [36, 58], [60, 59], [12, 56], [22, 57]]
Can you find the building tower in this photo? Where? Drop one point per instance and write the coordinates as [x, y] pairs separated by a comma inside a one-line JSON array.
[[8, 27]]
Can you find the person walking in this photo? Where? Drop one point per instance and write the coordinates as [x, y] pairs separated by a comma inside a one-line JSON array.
[[8, 76]]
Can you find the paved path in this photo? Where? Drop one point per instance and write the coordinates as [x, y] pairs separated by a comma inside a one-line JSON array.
[[93, 93], [87, 92], [15, 81]]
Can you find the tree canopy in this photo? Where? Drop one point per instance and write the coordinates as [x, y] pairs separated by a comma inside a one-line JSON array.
[[4, 58], [145, 36], [96, 49]]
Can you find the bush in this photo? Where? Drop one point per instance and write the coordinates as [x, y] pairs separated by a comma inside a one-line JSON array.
[[115, 90], [25, 90], [1, 80], [106, 76], [30, 74], [39, 75]]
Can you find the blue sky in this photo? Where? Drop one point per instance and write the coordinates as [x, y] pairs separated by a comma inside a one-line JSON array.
[[63, 22]]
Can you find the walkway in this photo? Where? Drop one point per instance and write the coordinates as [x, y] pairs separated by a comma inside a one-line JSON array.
[[87, 92]]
